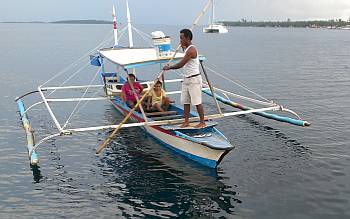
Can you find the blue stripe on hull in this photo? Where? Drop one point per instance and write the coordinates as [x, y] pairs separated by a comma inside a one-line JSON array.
[[201, 160]]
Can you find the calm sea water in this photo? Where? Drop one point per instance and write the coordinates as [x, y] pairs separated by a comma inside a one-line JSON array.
[[276, 171]]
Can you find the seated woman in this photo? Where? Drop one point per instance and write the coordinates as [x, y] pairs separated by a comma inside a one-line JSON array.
[[157, 99], [128, 95]]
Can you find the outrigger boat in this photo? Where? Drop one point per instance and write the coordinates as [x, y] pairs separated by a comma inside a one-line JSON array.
[[207, 145]]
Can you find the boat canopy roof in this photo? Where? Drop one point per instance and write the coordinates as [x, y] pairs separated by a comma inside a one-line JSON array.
[[136, 57]]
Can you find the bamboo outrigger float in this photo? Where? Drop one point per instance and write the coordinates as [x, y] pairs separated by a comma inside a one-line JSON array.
[[207, 145], [33, 157]]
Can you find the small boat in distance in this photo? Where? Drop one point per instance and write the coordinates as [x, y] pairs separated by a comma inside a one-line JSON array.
[[214, 27], [347, 27]]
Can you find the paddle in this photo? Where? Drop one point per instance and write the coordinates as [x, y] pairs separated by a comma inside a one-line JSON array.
[[104, 144]]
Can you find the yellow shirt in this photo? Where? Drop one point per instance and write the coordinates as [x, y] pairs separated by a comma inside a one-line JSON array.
[[155, 98]]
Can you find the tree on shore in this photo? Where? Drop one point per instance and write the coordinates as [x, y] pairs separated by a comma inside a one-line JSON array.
[[289, 23]]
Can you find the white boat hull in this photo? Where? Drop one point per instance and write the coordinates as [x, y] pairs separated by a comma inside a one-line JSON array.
[[215, 28], [200, 153], [194, 151]]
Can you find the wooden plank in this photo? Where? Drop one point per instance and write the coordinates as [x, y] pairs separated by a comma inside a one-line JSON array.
[[161, 113], [191, 127], [167, 117]]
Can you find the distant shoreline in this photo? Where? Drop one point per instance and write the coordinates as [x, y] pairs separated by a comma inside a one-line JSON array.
[[61, 22], [330, 24]]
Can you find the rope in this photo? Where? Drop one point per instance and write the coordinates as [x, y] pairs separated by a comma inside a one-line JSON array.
[[76, 106], [86, 102], [76, 62], [224, 92], [122, 32], [70, 77], [143, 36], [80, 69], [104, 41], [238, 84]]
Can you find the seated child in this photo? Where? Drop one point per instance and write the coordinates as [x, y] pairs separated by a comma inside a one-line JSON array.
[[157, 99]]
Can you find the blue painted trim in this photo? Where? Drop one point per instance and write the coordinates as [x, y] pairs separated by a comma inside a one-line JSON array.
[[34, 156], [109, 74], [101, 77], [201, 160], [95, 60], [226, 146], [164, 47], [126, 107], [220, 133], [103, 64]]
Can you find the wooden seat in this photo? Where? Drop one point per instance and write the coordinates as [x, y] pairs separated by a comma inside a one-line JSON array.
[[165, 113], [167, 117], [209, 124]]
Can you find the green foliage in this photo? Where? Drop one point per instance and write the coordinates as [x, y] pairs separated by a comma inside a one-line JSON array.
[[288, 23]]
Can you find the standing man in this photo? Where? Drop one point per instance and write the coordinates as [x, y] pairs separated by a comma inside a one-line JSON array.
[[191, 92]]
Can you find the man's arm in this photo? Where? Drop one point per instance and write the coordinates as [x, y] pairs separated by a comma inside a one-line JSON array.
[[190, 54]]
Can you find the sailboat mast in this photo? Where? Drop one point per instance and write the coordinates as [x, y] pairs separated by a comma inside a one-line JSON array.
[[115, 30], [213, 12], [131, 43]]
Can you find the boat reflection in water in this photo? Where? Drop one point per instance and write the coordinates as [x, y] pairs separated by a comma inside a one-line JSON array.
[[149, 180]]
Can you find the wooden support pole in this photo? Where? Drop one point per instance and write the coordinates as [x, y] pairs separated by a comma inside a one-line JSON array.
[[211, 88]]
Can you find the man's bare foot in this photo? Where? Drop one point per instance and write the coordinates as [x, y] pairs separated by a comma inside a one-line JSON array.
[[185, 124], [200, 125]]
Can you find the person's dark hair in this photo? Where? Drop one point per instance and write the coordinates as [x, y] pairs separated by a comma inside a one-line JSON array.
[[159, 82], [187, 33]]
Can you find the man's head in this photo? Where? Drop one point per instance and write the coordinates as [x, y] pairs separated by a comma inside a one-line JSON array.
[[132, 77], [186, 37]]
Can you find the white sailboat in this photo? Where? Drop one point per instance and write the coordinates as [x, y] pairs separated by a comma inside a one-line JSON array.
[[213, 26]]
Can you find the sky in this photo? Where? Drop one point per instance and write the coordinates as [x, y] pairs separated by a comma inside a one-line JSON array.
[[173, 11]]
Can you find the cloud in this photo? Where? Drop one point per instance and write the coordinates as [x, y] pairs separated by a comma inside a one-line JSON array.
[[174, 12], [283, 9]]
